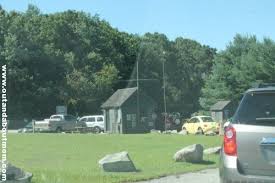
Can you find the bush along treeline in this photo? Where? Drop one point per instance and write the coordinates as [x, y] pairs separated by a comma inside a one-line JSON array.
[[75, 59]]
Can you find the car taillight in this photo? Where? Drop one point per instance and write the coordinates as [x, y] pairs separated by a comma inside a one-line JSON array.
[[230, 141]]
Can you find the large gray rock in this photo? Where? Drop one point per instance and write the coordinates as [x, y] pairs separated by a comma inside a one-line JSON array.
[[119, 162], [212, 150], [14, 174], [192, 154]]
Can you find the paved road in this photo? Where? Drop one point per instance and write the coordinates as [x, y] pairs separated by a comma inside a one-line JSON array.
[[204, 176]]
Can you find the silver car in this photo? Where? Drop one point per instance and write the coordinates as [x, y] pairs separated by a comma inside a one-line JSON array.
[[96, 122], [248, 153], [27, 129]]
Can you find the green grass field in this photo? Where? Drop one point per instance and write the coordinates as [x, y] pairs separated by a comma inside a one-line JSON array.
[[73, 158]]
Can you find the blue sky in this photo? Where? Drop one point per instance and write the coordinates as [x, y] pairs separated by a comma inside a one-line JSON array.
[[211, 22]]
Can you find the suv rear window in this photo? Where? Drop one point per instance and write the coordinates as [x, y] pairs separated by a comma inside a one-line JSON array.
[[257, 108]]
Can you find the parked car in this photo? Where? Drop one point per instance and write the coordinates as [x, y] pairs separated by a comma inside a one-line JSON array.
[[248, 153], [200, 125], [26, 129], [56, 123], [96, 122]]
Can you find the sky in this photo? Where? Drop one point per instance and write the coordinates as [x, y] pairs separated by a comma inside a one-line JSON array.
[[210, 22]]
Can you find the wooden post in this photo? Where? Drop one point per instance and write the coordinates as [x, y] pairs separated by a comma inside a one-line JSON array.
[[33, 124]]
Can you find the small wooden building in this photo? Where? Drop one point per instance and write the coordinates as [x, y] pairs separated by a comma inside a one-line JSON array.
[[222, 111], [121, 112]]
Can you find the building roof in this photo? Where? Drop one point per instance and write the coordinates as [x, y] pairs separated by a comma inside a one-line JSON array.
[[261, 89], [220, 105], [119, 97]]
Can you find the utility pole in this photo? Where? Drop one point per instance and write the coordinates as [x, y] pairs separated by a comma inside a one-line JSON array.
[[138, 108], [164, 91], [138, 88]]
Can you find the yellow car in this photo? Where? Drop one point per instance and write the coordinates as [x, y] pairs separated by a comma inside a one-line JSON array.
[[200, 125]]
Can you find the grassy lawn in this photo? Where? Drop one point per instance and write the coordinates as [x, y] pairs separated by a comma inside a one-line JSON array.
[[73, 158]]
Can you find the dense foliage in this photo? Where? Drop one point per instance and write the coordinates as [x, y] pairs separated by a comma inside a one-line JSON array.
[[245, 62], [75, 59], [66, 58], [78, 60], [186, 63]]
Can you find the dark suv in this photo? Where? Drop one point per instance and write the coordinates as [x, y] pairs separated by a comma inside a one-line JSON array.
[[248, 153]]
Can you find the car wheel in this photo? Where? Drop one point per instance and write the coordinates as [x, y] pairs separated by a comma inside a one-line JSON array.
[[200, 131], [58, 130], [97, 129]]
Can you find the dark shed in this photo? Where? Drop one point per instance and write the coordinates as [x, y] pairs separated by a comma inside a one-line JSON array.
[[121, 112], [222, 111]]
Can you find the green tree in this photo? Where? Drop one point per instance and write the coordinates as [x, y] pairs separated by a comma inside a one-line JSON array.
[[244, 62], [62, 58], [186, 63]]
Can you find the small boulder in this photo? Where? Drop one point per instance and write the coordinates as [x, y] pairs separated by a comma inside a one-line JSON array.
[[155, 131], [14, 174], [183, 132], [118, 162], [174, 132], [192, 154], [212, 150], [167, 132], [210, 133]]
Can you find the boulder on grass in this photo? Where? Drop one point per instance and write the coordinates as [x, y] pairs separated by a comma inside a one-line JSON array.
[[192, 154], [174, 132], [118, 162], [210, 133], [167, 132], [155, 131], [14, 174], [212, 150], [183, 132]]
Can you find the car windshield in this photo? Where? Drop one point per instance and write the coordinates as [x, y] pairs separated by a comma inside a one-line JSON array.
[[56, 117], [207, 119], [257, 108], [83, 120]]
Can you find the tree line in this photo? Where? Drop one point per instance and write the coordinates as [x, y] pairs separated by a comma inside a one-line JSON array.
[[75, 59]]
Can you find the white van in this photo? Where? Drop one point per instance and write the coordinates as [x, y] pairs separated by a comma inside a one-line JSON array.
[[95, 121]]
